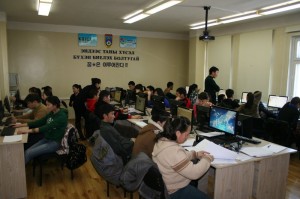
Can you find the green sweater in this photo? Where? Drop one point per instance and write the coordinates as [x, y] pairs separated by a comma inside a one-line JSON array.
[[53, 125]]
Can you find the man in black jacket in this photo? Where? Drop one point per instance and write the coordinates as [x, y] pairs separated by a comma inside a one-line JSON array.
[[210, 85]]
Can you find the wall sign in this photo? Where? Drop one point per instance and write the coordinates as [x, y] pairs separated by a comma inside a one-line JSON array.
[[87, 39]]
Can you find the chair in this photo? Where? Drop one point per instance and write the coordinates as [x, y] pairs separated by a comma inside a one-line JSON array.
[[278, 131], [69, 139]]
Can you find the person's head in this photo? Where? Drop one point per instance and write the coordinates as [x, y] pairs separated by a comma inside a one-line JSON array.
[[202, 99], [181, 93], [160, 117], [170, 85], [104, 96], [151, 89], [92, 94], [192, 88], [131, 85], [296, 101], [32, 100], [159, 92], [47, 92], [213, 71], [229, 93], [177, 130], [105, 112], [221, 97], [139, 88], [76, 88], [35, 90], [96, 82], [52, 103], [250, 100]]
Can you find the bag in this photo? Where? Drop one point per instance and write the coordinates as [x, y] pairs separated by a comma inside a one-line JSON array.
[[76, 156]]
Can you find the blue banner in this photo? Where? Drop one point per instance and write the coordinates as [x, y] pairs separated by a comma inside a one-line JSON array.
[[85, 39]]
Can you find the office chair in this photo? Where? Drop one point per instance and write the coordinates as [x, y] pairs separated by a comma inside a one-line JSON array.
[[278, 132]]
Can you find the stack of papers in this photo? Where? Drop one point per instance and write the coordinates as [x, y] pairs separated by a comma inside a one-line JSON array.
[[266, 150]]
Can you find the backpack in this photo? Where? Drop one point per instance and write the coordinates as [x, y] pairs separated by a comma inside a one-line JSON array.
[[76, 156], [70, 137]]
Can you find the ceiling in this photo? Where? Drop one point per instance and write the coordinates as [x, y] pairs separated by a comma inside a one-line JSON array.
[[109, 13]]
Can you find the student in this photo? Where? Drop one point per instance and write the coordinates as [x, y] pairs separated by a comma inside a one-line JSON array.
[[150, 92], [290, 113], [210, 85], [131, 85], [193, 93], [35, 90], [53, 126], [144, 142], [121, 146], [203, 100], [159, 92], [87, 90], [251, 106], [46, 92], [91, 100], [78, 108], [263, 111], [181, 96], [221, 97], [229, 102], [168, 90], [174, 162]]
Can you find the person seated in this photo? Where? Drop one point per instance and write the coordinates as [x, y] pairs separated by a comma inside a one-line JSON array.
[[263, 111], [131, 85], [251, 106], [46, 92], [229, 102], [181, 96], [175, 163], [121, 146], [35, 90], [193, 93], [53, 126], [159, 92], [221, 97], [39, 110], [203, 100], [145, 139], [168, 90], [150, 92]]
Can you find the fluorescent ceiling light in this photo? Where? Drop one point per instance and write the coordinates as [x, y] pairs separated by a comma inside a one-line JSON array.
[[239, 14], [280, 9], [203, 26], [133, 14], [136, 18], [162, 6], [280, 5], [240, 18], [203, 22], [44, 7]]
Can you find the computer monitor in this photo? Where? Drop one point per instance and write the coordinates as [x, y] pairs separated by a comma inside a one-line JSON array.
[[1, 111], [130, 97], [222, 91], [117, 97], [222, 119], [173, 106], [7, 104], [244, 97], [185, 112], [140, 103], [202, 116], [277, 101], [245, 125], [158, 103]]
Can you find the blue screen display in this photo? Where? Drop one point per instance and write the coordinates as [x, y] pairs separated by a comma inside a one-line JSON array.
[[223, 119]]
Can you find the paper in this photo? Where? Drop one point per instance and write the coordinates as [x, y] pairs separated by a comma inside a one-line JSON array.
[[188, 143], [210, 134], [140, 124], [273, 148], [217, 151], [13, 138], [256, 151], [243, 157], [130, 110]]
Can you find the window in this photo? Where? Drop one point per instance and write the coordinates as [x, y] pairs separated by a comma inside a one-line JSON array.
[[294, 76]]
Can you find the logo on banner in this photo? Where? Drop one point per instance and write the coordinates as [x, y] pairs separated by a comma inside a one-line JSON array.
[[108, 40]]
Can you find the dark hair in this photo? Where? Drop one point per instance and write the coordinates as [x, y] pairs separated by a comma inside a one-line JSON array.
[[181, 91], [77, 86], [213, 69], [203, 96], [295, 101], [151, 88], [101, 109], [229, 93], [36, 91], [160, 116], [47, 90], [169, 84], [92, 93], [159, 92], [54, 100], [140, 87], [250, 100], [95, 81], [32, 97], [103, 93], [180, 124], [221, 98], [131, 83], [191, 89]]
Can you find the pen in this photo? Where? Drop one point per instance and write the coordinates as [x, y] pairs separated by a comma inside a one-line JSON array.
[[269, 146]]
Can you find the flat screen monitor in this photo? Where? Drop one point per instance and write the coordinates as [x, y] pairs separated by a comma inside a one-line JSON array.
[[222, 119], [244, 97], [245, 125], [277, 101], [130, 97], [185, 112], [222, 91], [7, 104], [117, 97], [140, 103], [202, 116], [174, 104]]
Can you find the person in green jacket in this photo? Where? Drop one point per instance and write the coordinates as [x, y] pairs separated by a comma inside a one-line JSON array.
[[53, 126]]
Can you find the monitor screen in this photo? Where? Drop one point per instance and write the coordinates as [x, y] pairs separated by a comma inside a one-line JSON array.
[[244, 97], [202, 116], [117, 96], [140, 103], [188, 113], [6, 104], [223, 119], [277, 101], [222, 91]]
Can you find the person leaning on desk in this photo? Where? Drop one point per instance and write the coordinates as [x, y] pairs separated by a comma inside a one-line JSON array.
[[53, 125]]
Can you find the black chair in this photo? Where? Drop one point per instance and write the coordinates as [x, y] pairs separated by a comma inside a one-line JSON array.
[[278, 132]]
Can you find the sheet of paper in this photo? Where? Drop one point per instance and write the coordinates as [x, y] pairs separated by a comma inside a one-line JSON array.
[[273, 148], [13, 138], [210, 134], [243, 157], [256, 151], [217, 151], [140, 123], [188, 143]]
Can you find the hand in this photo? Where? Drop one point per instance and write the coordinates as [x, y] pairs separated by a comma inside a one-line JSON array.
[[18, 125], [201, 154], [210, 157], [136, 117], [22, 132]]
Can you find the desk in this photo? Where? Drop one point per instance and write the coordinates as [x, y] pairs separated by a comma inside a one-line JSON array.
[[259, 178], [12, 169]]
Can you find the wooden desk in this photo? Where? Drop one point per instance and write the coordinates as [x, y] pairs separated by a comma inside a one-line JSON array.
[[12, 169], [258, 178]]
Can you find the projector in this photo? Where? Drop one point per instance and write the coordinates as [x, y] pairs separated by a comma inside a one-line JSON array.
[[206, 37]]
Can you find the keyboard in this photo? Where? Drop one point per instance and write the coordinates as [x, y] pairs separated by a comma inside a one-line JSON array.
[[245, 139], [6, 131]]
